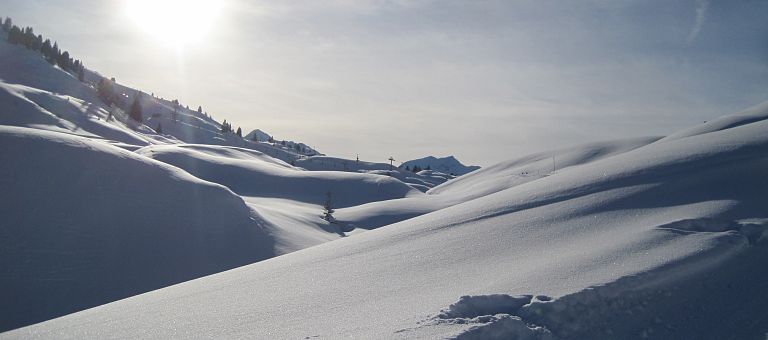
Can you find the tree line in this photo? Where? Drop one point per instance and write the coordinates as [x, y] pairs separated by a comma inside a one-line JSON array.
[[106, 87], [50, 51]]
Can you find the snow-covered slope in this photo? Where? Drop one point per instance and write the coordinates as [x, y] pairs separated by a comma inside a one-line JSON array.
[[260, 178], [521, 170], [665, 241], [30, 107], [484, 182], [752, 114], [258, 135], [84, 223], [422, 181], [447, 165], [34, 93]]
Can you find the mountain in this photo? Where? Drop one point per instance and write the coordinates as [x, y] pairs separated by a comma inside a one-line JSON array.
[[666, 240], [447, 165], [258, 135], [301, 148], [172, 228], [99, 207]]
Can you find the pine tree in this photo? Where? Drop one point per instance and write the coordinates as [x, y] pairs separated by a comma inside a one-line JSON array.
[[239, 132], [105, 90], [328, 207], [7, 24], [46, 48], [38, 42], [63, 61], [14, 35], [81, 73], [135, 112], [159, 129], [199, 109]]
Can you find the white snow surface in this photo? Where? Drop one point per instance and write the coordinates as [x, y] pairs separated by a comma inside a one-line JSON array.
[[484, 182], [447, 165], [637, 238], [84, 223], [261, 177], [667, 240]]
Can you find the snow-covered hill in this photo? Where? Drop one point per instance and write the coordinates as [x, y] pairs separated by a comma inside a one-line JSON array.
[[484, 182], [422, 181], [84, 223], [258, 135], [78, 204], [662, 238], [668, 241], [447, 165], [261, 176]]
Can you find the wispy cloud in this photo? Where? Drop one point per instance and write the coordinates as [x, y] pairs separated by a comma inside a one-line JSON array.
[[701, 15]]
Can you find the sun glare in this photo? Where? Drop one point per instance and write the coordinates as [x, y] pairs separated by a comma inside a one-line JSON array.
[[176, 22]]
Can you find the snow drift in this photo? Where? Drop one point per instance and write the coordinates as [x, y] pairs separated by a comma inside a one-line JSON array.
[[623, 247], [84, 223], [261, 178]]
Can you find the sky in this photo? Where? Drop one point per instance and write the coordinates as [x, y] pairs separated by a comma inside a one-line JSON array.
[[484, 80]]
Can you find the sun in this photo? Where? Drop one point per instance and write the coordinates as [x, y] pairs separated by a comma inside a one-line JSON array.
[[176, 22]]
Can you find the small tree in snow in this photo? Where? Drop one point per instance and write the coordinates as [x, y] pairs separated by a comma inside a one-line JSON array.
[[159, 129], [135, 112], [328, 207]]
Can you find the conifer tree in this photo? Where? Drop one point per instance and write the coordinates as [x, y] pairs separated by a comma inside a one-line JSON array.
[[159, 129], [135, 111], [46, 48], [105, 90], [7, 24], [328, 207], [239, 132], [14, 35]]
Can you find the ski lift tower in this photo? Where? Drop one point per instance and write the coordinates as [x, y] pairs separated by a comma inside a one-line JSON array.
[[391, 161]]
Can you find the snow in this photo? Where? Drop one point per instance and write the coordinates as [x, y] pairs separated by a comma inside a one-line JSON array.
[[258, 178], [421, 181], [81, 220], [663, 238], [259, 135], [599, 246], [447, 165], [484, 182]]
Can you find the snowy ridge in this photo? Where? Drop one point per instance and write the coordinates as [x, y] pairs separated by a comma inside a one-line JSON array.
[[484, 182], [422, 181], [110, 228], [447, 165], [75, 211], [659, 241], [256, 177]]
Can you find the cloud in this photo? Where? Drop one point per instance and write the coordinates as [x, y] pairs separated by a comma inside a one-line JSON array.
[[701, 15]]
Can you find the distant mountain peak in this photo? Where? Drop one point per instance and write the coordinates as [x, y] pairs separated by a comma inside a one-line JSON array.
[[448, 165]]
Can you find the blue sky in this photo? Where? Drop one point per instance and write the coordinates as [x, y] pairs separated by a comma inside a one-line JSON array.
[[483, 80]]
